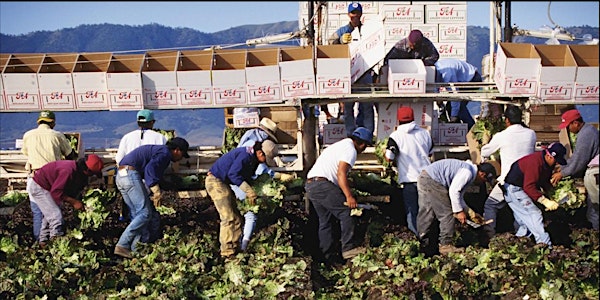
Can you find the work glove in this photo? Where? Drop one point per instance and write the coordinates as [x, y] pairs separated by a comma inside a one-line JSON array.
[[475, 217], [156, 195], [549, 204], [454, 120], [250, 193], [346, 38], [283, 177]]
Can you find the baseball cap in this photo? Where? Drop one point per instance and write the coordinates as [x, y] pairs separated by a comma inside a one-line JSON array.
[[46, 116], [415, 36], [182, 144], [363, 134], [271, 151], [568, 117], [489, 170], [94, 164], [558, 151], [269, 127], [145, 115], [405, 114], [354, 6]]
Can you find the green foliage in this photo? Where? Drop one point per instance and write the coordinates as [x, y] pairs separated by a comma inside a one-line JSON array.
[[484, 129], [270, 194], [380, 152], [169, 134], [231, 138], [12, 198], [566, 188], [95, 201]]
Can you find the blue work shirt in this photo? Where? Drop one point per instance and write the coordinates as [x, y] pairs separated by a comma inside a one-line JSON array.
[[454, 70], [252, 136], [150, 161], [236, 166]]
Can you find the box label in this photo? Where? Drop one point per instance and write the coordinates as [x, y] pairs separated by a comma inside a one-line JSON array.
[[245, 120], [333, 133]]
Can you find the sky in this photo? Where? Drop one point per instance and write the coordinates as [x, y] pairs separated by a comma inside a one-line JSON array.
[[211, 16]]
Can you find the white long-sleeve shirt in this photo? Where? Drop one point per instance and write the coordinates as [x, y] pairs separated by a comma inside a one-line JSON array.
[[134, 139], [513, 142], [410, 146]]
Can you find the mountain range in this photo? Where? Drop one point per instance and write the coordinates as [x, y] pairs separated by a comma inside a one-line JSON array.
[[103, 129]]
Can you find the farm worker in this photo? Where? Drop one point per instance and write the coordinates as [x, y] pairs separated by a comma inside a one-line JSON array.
[[414, 46], [366, 114], [57, 182], [441, 187], [514, 142], [41, 146], [265, 130], [410, 147], [142, 136], [456, 70], [522, 186], [235, 167], [329, 191], [586, 148], [139, 171]]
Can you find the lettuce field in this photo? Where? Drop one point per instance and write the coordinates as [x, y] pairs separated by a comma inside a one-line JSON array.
[[282, 261]]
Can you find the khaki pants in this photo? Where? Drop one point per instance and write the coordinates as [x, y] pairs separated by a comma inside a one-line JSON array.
[[231, 220]]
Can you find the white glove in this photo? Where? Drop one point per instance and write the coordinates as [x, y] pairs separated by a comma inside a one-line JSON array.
[[283, 177], [156, 195], [250, 193], [346, 38], [549, 204]]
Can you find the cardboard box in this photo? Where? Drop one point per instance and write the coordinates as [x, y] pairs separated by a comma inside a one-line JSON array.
[[557, 74], [452, 33], [89, 81], [263, 79], [229, 77], [246, 120], [3, 60], [337, 7], [333, 133], [333, 70], [194, 79], [279, 114], [367, 48], [445, 13], [451, 134], [287, 132], [56, 82], [406, 76], [586, 80], [395, 32], [517, 69], [297, 72], [124, 82], [21, 82], [452, 50], [402, 13], [159, 79]]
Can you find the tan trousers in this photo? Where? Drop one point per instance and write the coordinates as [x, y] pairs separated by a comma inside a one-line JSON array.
[[231, 220]]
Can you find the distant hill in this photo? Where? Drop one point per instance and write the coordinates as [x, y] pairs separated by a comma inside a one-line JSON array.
[[201, 126]]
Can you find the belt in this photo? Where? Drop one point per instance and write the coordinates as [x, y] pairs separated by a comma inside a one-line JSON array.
[[126, 167], [313, 179]]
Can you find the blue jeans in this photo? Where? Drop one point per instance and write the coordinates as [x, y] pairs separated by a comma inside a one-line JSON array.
[[527, 214], [140, 207], [410, 197]]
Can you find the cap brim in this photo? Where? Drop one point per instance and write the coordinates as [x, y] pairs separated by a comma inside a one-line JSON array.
[[45, 120], [563, 125], [561, 161], [185, 154]]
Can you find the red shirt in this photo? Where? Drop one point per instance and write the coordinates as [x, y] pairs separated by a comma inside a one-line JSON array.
[[61, 178], [531, 172]]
